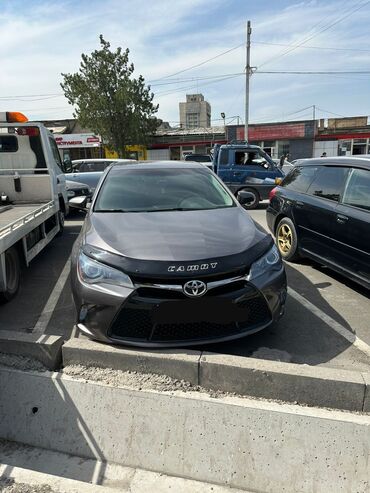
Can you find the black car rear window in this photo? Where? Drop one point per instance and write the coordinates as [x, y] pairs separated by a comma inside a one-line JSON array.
[[357, 192], [328, 182], [300, 178]]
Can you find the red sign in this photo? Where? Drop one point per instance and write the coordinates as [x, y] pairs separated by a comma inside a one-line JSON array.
[[273, 132]]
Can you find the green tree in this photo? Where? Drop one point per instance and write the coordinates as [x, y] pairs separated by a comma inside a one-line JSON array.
[[109, 100]]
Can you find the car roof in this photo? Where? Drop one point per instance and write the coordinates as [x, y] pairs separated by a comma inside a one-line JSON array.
[[197, 154], [102, 160], [241, 146], [160, 164], [355, 162]]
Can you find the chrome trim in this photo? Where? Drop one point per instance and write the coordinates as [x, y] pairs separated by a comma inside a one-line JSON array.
[[179, 287]]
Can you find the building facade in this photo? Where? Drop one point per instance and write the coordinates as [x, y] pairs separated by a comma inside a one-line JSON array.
[[343, 136], [176, 143], [293, 138], [74, 141], [195, 112]]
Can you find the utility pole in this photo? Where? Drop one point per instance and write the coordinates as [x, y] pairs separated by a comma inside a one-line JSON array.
[[247, 77], [313, 112]]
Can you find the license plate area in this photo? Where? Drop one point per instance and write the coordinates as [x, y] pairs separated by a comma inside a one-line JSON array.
[[211, 310]]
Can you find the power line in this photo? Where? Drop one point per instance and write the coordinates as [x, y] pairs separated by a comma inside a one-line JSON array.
[[285, 114], [325, 28], [198, 64], [314, 47], [40, 97], [314, 72], [193, 79], [184, 88], [330, 112]]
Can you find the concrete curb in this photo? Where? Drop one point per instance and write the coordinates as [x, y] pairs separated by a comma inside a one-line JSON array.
[[314, 386], [45, 348], [179, 364], [242, 443], [303, 384]]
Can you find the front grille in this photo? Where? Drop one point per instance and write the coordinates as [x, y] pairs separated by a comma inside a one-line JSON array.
[[135, 322], [137, 279]]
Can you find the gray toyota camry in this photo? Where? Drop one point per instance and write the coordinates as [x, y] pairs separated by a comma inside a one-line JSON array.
[[168, 257]]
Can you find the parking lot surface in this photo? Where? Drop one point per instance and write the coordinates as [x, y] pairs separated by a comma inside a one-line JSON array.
[[327, 319]]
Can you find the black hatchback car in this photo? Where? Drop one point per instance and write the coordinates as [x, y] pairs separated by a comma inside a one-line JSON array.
[[321, 210]]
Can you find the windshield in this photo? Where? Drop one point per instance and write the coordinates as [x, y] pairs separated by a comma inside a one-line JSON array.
[[252, 158], [151, 190]]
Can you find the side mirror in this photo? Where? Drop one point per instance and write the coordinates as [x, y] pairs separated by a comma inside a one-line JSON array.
[[67, 165], [79, 203], [278, 181], [245, 197]]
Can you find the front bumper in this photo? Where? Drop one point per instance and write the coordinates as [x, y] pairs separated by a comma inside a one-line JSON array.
[[128, 316]]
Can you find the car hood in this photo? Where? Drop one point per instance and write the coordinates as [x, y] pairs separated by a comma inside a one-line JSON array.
[[72, 185], [132, 241]]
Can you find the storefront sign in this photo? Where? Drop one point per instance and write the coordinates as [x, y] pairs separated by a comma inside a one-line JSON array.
[[273, 132], [67, 141]]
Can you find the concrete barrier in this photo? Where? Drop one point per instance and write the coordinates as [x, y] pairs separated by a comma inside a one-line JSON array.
[[366, 406], [45, 348], [255, 445], [314, 386], [310, 385], [179, 364]]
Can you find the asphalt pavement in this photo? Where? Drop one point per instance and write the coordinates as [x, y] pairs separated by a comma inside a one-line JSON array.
[[327, 318]]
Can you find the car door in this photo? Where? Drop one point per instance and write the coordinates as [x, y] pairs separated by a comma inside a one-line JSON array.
[[253, 167], [315, 212], [224, 166], [353, 224]]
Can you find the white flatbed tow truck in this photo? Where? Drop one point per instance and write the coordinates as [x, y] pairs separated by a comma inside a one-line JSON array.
[[33, 197]]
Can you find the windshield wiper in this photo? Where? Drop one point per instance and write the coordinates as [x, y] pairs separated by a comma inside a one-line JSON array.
[[112, 210], [173, 209]]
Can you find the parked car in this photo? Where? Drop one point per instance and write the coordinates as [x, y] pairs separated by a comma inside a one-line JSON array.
[[76, 189], [89, 171], [204, 159], [321, 210], [287, 166], [167, 256]]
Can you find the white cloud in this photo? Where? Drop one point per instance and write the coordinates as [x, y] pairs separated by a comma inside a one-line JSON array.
[[44, 39]]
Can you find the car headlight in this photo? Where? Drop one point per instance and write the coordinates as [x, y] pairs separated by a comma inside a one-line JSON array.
[[270, 261], [93, 272], [70, 193]]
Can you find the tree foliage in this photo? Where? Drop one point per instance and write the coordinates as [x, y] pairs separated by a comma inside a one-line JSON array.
[[109, 100]]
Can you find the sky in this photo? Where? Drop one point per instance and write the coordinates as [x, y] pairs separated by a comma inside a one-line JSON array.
[[40, 39]]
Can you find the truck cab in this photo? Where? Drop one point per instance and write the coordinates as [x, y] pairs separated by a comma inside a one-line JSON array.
[[246, 167], [33, 196]]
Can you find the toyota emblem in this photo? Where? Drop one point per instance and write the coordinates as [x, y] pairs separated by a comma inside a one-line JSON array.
[[194, 288]]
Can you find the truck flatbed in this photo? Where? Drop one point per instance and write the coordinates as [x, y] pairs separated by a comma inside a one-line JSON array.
[[27, 216]]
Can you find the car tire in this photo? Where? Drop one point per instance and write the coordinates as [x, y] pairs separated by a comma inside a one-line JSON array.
[[256, 201], [13, 274], [61, 218], [287, 240]]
